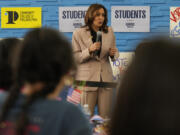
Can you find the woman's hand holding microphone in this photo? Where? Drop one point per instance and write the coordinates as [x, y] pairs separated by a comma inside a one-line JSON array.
[[94, 47]]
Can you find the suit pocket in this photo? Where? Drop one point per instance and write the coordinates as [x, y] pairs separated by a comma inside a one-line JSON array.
[[83, 67], [83, 74]]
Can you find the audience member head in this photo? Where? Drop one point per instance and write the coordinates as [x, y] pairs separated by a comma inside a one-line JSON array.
[[7, 50], [44, 61], [92, 13], [148, 96]]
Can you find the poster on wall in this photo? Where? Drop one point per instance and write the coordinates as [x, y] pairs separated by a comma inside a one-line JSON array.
[[174, 21], [71, 18], [21, 17], [121, 64], [130, 18]]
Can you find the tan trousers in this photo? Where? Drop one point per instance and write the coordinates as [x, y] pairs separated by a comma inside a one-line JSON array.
[[102, 97]]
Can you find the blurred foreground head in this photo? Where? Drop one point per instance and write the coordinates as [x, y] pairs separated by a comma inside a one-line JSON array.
[[46, 56], [149, 95], [8, 48], [43, 61]]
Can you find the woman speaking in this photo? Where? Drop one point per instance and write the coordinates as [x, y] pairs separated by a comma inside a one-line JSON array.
[[93, 44]]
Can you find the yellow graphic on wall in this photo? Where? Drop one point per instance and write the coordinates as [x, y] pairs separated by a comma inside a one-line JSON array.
[[21, 17]]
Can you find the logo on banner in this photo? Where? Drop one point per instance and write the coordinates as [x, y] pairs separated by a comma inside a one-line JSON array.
[[12, 17], [20, 17], [77, 24], [130, 25]]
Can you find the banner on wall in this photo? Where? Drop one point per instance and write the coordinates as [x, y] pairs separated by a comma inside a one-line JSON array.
[[21, 17], [71, 18], [174, 21], [121, 64], [130, 18]]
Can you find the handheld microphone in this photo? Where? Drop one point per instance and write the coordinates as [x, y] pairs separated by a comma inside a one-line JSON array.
[[99, 36], [98, 39]]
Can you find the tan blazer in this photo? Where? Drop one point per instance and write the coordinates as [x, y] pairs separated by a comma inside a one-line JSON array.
[[90, 67]]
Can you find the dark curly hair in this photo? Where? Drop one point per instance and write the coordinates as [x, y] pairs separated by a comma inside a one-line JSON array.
[[89, 17], [148, 96], [45, 56], [8, 47]]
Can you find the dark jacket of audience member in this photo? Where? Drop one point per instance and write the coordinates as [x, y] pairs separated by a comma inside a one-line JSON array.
[[149, 96]]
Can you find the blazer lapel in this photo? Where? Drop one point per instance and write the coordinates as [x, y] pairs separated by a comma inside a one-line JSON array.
[[88, 38], [103, 44]]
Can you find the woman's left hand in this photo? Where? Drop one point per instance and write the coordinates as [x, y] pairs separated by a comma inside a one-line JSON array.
[[112, 51]]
